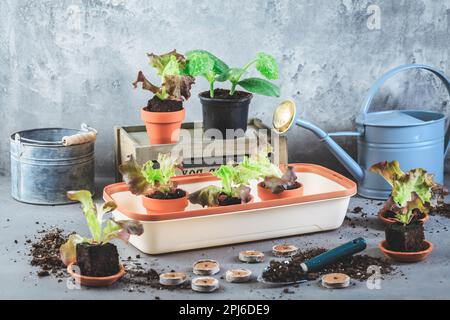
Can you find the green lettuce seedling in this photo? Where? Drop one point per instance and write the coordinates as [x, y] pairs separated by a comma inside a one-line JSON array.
[[258, 165], [234, 185], [151, 177], [205, 64], [410, 191], [175, 85], [102, 230]]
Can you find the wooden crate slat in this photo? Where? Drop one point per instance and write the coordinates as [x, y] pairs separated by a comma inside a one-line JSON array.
[[132, 141]]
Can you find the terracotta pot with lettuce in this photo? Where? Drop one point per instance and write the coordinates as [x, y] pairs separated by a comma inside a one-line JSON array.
[[164, 113], [277, 183], [153, 182]]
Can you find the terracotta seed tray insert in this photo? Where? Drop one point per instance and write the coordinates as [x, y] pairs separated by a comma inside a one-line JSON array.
[[322, 207]]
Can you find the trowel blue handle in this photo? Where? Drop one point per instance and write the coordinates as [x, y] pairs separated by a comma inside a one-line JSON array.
[[336, 254], [377, 85]]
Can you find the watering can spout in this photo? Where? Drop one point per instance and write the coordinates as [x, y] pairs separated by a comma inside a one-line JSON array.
[[347, 161], [285, 116]]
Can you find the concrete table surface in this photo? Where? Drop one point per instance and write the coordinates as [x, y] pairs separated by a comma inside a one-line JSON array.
[[426, 280]]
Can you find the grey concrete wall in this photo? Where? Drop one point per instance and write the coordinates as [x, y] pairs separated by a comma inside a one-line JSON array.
[[63, 62]]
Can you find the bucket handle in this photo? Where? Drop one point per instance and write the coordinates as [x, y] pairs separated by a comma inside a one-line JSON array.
[[374, 89]]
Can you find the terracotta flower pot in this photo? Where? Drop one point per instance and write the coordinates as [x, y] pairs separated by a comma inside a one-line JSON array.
[[163, 127], [165, 205], [382, 217], [266, 194], [95, 281], [407, 256]]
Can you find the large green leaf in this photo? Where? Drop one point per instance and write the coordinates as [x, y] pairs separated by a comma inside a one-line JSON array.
[[220, 67], [199, 63], [267, 66], [260, 86]]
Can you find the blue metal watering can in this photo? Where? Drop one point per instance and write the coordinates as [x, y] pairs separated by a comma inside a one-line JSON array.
[[417, 139]]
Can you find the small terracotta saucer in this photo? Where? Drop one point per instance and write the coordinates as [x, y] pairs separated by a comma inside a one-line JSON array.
[[407, 256], [95, 281]]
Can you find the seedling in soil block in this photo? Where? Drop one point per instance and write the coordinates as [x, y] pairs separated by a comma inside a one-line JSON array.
[[413, 194], [154, 182], [96, 256], [234, 189]]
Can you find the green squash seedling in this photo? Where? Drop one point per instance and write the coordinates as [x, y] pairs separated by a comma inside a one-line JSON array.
[[205, 64]]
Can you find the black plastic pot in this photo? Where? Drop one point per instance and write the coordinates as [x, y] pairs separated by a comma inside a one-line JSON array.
[[225, 114]]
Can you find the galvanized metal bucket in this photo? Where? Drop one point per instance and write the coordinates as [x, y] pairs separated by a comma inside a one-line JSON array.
[[43, 169]]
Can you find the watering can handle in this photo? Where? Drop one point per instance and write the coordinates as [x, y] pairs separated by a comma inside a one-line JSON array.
[[374, 89]]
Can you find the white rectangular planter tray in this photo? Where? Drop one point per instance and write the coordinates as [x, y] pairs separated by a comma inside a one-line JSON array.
[[322, 207]]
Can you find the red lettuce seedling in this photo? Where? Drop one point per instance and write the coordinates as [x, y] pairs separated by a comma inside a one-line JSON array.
[[234, 185], [102, 230], [204, 63], [411, 191], [174, 84], [151, 177]]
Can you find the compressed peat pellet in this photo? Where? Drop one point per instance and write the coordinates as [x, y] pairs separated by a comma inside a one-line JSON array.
[[172, 278], [204, 284], [206, 267], [238, 275], [284, 250], [251, 256], [335, 281]]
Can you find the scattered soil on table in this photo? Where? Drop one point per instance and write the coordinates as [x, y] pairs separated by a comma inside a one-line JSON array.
[[45, 253], [169, 196], [355, 266], [158, 105], [357, 210], [138, 278], [442, 210]]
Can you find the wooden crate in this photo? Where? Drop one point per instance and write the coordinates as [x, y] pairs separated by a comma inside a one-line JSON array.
[[200, 154]]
